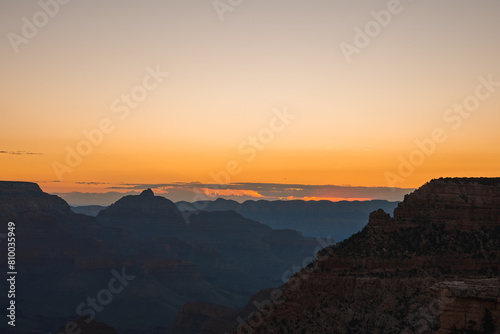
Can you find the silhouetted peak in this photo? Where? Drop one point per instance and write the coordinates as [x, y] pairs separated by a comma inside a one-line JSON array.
[[225, 201], [148, 193], [139, 205]]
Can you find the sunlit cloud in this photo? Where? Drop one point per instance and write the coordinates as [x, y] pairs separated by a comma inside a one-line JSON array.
[[104, 193], [231, 192], [331, 199]]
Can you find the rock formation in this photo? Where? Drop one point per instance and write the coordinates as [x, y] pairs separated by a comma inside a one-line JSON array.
[[465, 204], [24, 197], [463, 304], [64, 257], [391, 277]]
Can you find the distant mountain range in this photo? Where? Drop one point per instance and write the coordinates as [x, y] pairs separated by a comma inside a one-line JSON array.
[[432, 268], [89, 210], [337, 220]]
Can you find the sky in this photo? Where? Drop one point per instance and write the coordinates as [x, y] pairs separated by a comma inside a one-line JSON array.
[[111, 96]]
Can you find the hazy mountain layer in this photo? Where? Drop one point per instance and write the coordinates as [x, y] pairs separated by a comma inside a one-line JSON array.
[[337, 220]]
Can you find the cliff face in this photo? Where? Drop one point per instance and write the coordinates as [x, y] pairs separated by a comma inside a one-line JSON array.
[[463, 304], [463, 204], [33, 212], [204, 318], [25, 197], [391, 277]]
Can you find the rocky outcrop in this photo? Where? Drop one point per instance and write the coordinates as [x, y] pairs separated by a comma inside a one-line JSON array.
[[463, 304], [18, 198], [384, 278], [465, 204], [205, 318], [382, 220]]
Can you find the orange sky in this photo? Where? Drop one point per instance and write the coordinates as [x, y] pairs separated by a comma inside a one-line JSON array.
[[173, 94]]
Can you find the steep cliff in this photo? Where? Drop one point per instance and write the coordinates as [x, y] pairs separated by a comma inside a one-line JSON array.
[[384, 279], [25, 197], [464, 304], [465, 204]]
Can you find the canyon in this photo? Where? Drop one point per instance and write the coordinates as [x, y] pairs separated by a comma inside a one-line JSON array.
[[421, 271]]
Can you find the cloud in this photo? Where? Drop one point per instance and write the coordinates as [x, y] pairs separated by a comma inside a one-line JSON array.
[[19, 153], [197, 191]]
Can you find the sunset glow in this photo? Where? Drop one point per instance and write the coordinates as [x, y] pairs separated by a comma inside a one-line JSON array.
[[165, 92]]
